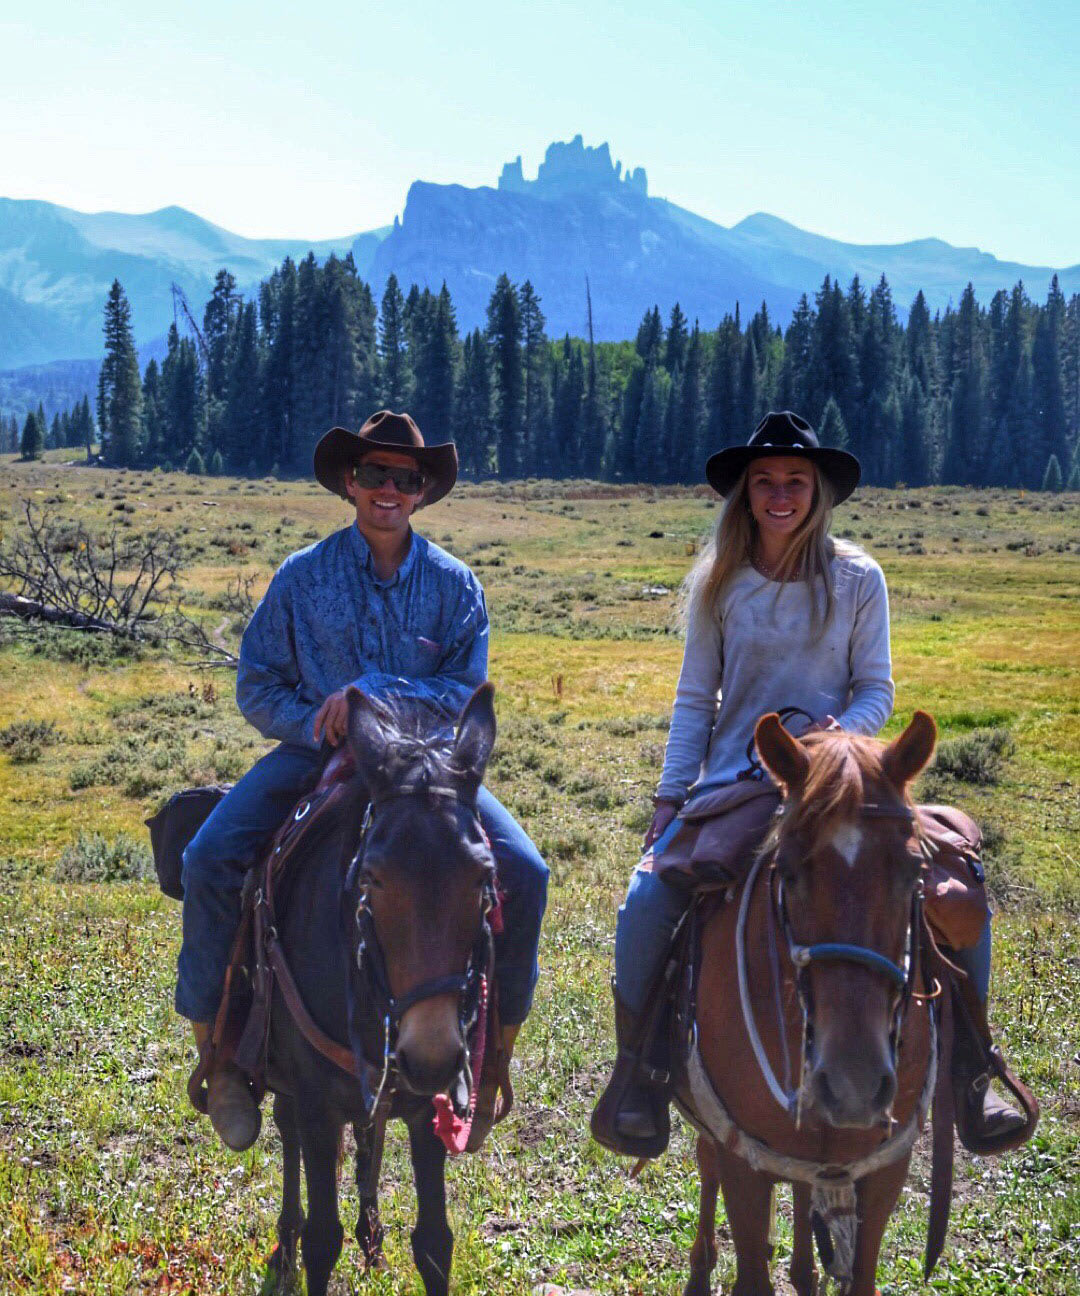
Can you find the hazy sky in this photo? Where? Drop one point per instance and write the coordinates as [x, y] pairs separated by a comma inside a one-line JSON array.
[[871, 122]]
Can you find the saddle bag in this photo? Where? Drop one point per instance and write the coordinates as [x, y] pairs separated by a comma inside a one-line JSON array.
[[957, 905], [174, 825], [718, 834], [721, 829]]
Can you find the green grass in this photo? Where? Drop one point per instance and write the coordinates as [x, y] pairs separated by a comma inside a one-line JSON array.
[[108, 1181]]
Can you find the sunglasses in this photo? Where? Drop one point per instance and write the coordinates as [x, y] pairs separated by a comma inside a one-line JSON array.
[[370, 476]]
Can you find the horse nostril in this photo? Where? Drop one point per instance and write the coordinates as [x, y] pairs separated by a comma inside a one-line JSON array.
[[886, 1091], [823, 1091]]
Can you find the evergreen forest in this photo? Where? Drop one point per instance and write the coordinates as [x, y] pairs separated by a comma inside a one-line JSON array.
[[983, 394]]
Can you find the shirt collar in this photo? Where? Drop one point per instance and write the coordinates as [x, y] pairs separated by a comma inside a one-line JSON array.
[[363, 552]]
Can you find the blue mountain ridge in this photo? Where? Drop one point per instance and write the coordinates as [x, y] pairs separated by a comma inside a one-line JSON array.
[[582, 217]]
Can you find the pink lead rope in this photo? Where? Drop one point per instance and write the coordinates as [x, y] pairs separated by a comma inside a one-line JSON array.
[[447, 1124]]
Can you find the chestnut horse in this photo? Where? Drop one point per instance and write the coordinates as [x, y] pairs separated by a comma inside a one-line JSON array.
[[816, 1062], [388, 944]]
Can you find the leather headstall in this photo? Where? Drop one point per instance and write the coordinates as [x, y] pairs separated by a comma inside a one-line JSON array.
[[902, 976], [371, 962]]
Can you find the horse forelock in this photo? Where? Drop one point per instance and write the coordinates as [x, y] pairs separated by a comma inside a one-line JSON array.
[[845, 774], [419, 744]]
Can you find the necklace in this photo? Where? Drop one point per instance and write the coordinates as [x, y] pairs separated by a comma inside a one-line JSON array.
[[766, 570]]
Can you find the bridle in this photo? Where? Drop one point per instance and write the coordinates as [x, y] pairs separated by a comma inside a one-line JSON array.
[[470, 986], [900, 976]]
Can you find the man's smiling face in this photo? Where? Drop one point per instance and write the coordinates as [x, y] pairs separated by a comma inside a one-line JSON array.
[[384, 508]]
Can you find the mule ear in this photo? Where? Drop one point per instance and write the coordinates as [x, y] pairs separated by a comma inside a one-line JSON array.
[[476, 733], [908, 754], [782, 756], [366, 737]]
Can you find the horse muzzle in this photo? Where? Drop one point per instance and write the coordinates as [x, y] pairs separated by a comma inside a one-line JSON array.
[[852, 1093], [430, 1052]]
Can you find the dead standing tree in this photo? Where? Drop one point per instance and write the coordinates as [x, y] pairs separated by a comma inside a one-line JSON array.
[[128, 586]]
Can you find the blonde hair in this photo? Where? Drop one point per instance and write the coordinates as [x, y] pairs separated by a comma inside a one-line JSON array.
[[730, 547]]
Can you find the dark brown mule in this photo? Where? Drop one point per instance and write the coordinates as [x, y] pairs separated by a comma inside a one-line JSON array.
[[816, 1062], [386, 940]]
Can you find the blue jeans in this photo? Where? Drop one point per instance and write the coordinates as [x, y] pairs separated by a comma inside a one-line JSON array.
[[644, 927], [228, 843], [651, 912]]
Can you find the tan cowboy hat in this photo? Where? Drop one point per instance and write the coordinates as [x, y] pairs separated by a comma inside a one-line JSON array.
[[339, 449]]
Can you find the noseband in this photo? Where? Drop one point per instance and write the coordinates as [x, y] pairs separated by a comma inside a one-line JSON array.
[[371, 962], [901, 977]]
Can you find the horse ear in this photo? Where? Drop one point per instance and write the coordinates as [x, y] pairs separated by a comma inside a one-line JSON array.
[[782, 756], [908, 754], [476, 733], [366, 736]]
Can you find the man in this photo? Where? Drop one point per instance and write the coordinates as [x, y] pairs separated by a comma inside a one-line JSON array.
[[376, 606]]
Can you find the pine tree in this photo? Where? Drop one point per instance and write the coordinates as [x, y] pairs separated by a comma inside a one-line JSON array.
[[832, 430], [55, 438], [792, 389], [568, 416], [537, 406], [1050, 440], [723, 386], [878, 356], [216, 465], [832, 367], [596, 417], [194, 464], [650, 336], [182, 398], [277, 313], [474, 431], [1052, 476], [677, 340], [964, 452], [689, 442], [242, 432], [504, 334], [119, 386], [153, 414], [33, 437], [219, 326], [396, 380]]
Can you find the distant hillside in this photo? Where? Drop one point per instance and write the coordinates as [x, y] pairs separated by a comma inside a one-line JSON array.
[[583, 216], [56, 266]]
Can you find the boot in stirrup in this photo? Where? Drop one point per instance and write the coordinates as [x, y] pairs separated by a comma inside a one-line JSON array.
[[631, 1116], [233, 1112]]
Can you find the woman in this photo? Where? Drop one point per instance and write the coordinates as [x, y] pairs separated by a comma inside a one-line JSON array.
[[779, 614]]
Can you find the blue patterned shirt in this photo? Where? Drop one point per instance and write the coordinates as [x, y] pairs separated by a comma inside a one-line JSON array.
[[327, 620]]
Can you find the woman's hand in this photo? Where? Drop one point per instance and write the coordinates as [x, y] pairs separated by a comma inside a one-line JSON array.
[[663, 814], [829, 725]]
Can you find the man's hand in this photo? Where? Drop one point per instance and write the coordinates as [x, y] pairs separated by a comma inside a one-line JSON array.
[[332, 719], [663, 815]]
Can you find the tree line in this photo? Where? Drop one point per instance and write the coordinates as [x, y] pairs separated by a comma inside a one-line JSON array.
[[979, 395]]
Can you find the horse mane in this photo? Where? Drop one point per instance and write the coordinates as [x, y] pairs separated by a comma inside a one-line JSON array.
[[844, 770]]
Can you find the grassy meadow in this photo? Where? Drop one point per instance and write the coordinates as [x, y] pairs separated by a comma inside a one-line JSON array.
[[109, 1183]]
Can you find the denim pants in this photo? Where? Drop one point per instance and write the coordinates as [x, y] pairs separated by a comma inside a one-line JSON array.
[[651, 911], [225, 847]]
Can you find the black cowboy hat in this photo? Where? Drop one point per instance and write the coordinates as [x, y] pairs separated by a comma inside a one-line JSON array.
[[784, 433], [339, 449]]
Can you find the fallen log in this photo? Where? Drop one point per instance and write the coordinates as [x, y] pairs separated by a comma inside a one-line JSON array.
[[31, 610]]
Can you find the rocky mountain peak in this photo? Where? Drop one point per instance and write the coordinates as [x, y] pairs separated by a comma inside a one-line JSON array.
[[570, 165]]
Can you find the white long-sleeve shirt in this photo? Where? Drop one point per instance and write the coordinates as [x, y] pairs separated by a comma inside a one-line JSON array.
[[764, 654]]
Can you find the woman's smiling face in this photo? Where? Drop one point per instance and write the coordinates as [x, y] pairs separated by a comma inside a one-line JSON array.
[[781, 493]]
